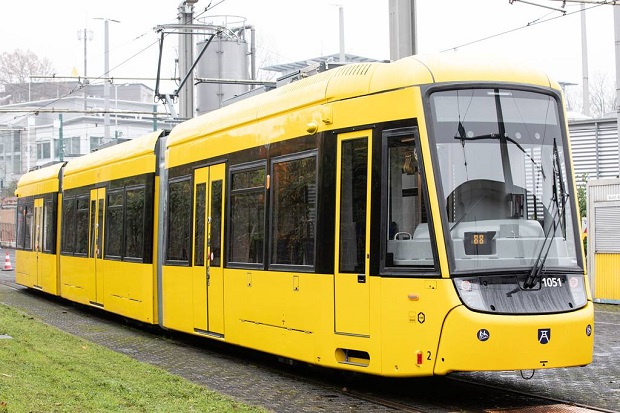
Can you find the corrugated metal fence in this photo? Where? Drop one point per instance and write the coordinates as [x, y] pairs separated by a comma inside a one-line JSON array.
[[603, 239], [594, 144]]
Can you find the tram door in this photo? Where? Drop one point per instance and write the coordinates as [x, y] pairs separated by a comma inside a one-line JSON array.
[[95, 254], [38, 238], [207, 272], [352, 255]]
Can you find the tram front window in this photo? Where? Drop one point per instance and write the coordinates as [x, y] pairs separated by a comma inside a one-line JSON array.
[[503, 171]]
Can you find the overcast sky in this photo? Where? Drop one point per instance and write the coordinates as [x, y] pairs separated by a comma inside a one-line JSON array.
[[296, 30]]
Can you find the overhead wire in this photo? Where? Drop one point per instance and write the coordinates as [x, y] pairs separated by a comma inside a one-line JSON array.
[[80, 86], [530, 24], [210, 6]]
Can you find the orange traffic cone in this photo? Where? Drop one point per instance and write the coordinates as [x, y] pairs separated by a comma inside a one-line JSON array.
[[7, 263]]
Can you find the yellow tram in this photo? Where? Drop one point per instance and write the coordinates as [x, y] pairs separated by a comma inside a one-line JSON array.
[[400, 219]]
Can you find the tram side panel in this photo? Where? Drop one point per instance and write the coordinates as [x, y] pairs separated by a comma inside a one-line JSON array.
[[295, 314], [107, 239], [285, 311], [25, 256], [77, 266], [36, 255], [112, 269]]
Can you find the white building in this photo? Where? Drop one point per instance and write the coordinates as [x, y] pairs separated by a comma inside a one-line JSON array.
[[55, 128]]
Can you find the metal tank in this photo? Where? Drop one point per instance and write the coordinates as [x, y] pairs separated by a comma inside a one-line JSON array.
[[227, 57]]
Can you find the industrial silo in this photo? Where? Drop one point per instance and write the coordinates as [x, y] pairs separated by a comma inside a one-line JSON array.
[[226, 58]]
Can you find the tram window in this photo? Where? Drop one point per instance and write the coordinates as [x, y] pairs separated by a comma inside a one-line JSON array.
[[179, 220], [21, 225], [48, 227], [68, 225], [93, 211], [408, 241], [99, 225], [247, 216], [81, 246], [353, 205], [114, 223], [28, 227], [294, 211], [134, 223], [216, 223], [201, 205]]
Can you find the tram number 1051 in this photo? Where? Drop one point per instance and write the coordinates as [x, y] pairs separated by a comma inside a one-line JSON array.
[[552, 282]]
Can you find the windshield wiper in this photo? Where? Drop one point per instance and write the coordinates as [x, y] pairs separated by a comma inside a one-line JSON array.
[[559, 197]]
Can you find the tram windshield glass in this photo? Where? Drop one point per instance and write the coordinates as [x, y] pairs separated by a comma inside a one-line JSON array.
[[503, 173]]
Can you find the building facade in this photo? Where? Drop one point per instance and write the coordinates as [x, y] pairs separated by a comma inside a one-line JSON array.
[[34, 133]]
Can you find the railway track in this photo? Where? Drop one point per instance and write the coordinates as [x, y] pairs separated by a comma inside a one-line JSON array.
[[435, 394]]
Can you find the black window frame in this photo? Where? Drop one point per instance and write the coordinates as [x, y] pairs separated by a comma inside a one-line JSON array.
[[83, 217], [273, 244], [183, 220], [405, 271], [23, 206], [131, 218], [68, 228], [199, 213], [50, 224], [118, 229], [260, 249]]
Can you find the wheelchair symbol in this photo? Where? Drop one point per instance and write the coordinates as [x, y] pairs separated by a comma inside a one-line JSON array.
[[483, 334]]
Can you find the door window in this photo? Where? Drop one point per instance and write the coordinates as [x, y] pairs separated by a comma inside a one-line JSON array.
[[353, 192]]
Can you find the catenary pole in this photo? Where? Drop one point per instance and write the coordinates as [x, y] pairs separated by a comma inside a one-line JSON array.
[[617, 49], [584, 63], [403, 38]]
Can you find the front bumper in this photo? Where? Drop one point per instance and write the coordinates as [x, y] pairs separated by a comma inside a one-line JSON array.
[[472, 341]]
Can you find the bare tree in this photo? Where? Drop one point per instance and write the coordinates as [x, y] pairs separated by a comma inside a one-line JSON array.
[[19, 65], [573, 100], [264, 58], [602, 95]]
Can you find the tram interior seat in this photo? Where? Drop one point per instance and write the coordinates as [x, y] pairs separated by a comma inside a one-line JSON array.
[[412, 249]]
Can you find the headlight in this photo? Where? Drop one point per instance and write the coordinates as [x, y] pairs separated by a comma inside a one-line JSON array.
[[469, 291], [577, 290]]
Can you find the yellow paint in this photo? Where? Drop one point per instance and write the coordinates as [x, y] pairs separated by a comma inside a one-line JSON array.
[[36, 268], [40, 181], [513, 341], [76, 283], [177, 308], [607, 276], [131, 158], [129, 290]]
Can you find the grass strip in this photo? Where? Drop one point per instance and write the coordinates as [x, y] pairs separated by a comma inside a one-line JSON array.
[[43, 369]]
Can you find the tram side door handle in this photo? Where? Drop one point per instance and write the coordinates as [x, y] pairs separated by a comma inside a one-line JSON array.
[[361, 278]]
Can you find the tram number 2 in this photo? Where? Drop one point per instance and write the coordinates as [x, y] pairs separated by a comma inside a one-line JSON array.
[[428, 355], [552, 282]]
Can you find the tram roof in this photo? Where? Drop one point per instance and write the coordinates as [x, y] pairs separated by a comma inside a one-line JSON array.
[[357, 80], [130, 158], [40, 181]]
